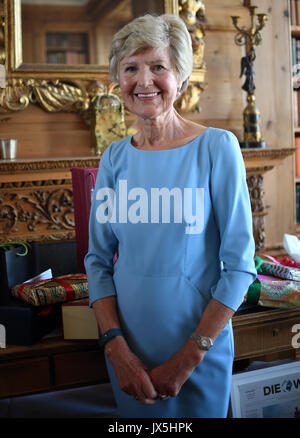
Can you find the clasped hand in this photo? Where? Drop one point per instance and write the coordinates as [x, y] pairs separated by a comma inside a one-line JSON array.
[[164, 381]]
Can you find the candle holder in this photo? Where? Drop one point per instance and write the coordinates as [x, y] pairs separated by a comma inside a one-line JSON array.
[[250, 38]]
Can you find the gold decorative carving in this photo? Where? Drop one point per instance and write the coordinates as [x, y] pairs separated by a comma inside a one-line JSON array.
[[51, 95], [51, 164], [59, 96], [36, 184], [189, 101], [272, 154], [191, 12], [15, 96]]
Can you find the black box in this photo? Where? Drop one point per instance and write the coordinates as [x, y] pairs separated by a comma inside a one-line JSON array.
[[26, 324]]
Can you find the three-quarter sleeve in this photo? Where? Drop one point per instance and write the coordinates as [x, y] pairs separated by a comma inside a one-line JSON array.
[[102, 241], [232, 209]]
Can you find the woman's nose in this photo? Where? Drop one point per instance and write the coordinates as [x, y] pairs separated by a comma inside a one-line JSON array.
[[145, 77]]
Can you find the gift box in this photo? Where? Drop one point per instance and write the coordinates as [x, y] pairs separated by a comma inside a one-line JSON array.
[[26, 324], [78, 320], [286, 268], [54, 290], [16, 266], [271, 290]]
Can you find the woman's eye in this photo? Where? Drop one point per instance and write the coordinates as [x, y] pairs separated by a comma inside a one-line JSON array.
[[158, 67], [130, 69]]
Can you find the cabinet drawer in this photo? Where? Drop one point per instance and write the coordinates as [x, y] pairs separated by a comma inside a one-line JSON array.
[[262, 339], [24, 377], [82, 367]]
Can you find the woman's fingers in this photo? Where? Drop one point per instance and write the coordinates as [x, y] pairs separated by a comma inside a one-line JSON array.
[[134, 379]]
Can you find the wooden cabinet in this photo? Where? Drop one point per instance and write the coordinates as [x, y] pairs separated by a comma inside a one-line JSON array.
[[78, 368], [50, 365], [24, 376], [264, 332]]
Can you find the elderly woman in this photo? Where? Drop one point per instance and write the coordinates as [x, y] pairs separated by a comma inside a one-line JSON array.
[[172, 202]]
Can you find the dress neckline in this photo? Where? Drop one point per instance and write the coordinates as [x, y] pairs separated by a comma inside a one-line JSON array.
[[169, 149]]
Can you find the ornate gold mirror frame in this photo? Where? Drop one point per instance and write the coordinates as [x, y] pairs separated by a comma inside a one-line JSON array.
[[73, 88]]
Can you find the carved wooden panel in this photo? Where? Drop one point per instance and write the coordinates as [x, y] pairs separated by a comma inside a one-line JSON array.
[[37, 210], [36, 199], [256, 192]]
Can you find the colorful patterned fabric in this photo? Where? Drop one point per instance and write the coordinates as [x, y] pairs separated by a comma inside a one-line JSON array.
[[270, 291], [277, 269], [54, 290]]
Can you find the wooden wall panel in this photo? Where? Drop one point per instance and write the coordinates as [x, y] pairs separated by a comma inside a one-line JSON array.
[[222, 102], [41, 134], [274, 100]]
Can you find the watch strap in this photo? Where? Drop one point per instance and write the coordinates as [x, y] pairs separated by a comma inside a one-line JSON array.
[[109, 335]]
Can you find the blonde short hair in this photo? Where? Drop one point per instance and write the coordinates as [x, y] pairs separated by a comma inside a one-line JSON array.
[[150, 31]]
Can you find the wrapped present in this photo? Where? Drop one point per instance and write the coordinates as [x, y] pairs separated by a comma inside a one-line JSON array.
[[280, 271], [54, 290], [272, 292]]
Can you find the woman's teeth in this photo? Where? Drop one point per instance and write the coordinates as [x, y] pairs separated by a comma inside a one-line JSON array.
[[147, 95]]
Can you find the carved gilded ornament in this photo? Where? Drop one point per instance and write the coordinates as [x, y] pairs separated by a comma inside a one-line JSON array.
[[191, 12], [190, 100], [52, 95]]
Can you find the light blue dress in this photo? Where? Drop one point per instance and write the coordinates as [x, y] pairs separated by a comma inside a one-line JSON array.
[[175, 252]]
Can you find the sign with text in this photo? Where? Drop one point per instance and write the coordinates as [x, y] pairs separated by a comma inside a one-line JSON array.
[[272, 392]]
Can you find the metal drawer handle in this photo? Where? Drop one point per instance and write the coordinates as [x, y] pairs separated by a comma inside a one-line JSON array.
[[275, 332]]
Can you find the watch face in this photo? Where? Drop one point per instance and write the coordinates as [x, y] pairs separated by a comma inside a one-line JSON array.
[[204, 342]]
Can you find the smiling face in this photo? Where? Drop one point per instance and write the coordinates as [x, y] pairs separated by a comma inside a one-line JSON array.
[[148, 82]]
